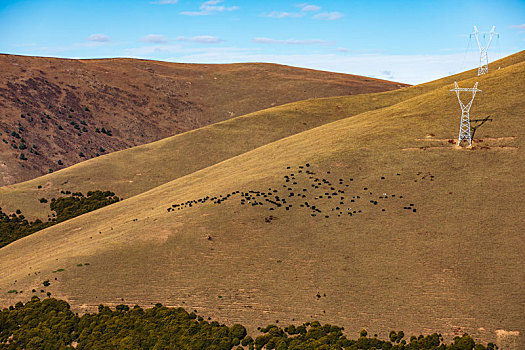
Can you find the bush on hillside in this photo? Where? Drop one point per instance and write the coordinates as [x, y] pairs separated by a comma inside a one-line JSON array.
[[15, 226]]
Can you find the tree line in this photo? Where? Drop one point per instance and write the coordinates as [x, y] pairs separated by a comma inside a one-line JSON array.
[[50, 324], [15, 226]]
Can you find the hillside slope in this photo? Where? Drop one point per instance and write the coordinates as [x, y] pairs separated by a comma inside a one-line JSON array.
[[142, 168], [451, 262], [57, 112]]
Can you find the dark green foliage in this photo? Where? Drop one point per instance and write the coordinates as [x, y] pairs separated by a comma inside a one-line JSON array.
[[70, 207], [22, 146], [15, 226], [81, 154], [50, 324], [106, 131], [22, 156]]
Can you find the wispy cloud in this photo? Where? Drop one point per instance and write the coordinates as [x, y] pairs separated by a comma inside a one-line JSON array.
[[518, 26], [387, 74], [305, 10], [153, 50], [328, 16], [291, 41], [165, 2], [308, 7], [99, 38], [210, 7], [360, 51], [202, 39], [277, 14], [161, 39], [154, 39]]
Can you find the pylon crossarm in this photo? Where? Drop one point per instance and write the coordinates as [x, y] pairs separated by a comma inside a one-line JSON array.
[[466, 89]]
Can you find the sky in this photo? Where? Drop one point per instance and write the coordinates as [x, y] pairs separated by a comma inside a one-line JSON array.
[[407, 41]]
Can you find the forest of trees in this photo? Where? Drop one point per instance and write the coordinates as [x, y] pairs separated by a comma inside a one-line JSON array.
[[50, 324], [15, 226]]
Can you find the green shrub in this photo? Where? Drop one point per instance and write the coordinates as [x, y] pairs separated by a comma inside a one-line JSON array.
[[14, 226]]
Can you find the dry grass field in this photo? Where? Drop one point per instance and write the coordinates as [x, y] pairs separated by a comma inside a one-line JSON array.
[[408, 231], [138, 169], [57, 112]]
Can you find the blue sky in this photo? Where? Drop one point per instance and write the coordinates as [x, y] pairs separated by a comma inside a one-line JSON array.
[[408, 41]]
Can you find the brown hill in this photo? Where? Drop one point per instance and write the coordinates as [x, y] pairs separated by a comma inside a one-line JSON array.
[[57, 112]]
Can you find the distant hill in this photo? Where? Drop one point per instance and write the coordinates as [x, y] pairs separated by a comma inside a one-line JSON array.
[[374, 221], [57, 112]]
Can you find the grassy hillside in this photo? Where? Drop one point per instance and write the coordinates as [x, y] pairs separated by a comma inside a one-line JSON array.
[[451, 262], [142, 168], [58, 112]]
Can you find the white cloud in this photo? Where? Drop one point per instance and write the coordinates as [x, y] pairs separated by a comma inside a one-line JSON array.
[[518, 26], [277, 14], [210, 7], [161, 39], [165, 2], [152, 50], [154, 39], [308, 8], [291, 41], [328, 16], [304, 9], [100, 38], [202, 39]]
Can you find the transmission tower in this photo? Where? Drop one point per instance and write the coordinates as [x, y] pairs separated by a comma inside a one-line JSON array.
[[464, 126], [483, 49]]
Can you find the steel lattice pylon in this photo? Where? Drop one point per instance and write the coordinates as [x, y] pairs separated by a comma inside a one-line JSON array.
[[464, 126], [483, 50]]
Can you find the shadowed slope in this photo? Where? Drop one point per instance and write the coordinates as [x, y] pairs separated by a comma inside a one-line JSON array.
[[138, 169], [454, 265]]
